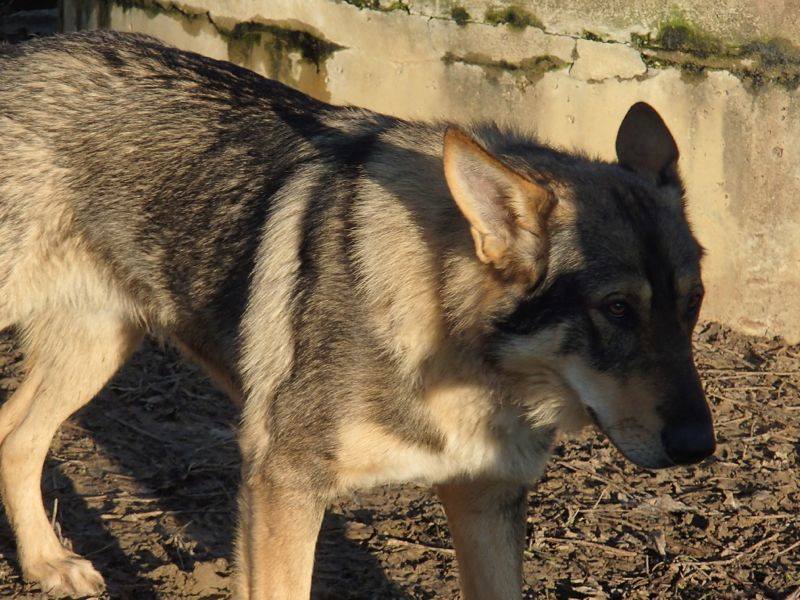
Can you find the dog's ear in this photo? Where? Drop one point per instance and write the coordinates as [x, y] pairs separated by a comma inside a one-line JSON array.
[[645, 146], [507, 212]]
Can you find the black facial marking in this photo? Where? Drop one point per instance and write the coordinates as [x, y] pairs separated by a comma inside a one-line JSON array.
[[542, 308]]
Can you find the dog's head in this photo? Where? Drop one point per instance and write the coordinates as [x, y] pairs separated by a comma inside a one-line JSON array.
[[601, 279]]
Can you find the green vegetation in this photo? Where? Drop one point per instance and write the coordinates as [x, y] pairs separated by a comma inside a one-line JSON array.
[[526, 72], [680, 43], [775, 52], [676, 32], [311, 48], [776, 60], [591, 36], [398, 5], [460, 15], [376, 5], [514, 16], [369, 4]]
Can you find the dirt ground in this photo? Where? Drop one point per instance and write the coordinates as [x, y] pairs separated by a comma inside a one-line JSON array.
[[143, 482]]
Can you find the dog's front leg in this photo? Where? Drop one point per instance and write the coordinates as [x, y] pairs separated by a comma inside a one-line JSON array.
[[487, 522], [278, 529]]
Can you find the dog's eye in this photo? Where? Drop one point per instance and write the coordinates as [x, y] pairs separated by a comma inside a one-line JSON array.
[[618, 309]]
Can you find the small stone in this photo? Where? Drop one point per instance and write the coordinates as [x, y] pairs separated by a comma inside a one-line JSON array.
[[658, 542], [358, 531], [207, 577]]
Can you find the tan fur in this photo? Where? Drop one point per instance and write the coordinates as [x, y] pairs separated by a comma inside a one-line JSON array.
[[627, 412], [70, 358], [216, 371], [267, 338], [71, 352], [484, 436], [499, 225], [486, 520], [77, 329], [549, 399], [401, 287], [278, 531]]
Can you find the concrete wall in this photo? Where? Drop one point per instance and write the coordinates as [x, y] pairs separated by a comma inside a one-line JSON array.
[[724, 75]]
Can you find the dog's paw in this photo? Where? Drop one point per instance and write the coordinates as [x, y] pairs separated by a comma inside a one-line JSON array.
[[67, 576]]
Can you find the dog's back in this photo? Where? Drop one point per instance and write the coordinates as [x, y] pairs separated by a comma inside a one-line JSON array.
[[161, 163], [159, 168]]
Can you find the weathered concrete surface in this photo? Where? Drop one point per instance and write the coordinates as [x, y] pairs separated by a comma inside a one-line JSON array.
[[739, 144], [596, 61], [734, 20]]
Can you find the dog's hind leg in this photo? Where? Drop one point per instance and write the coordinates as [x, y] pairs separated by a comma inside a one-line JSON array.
[[70, 358]]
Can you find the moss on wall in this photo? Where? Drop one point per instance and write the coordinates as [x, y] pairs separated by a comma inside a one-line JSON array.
[[383, 6], [679, 42], [460, 15], [297, 54], [312, 48], [272, 46], [527, 72], [152, 8], [515, 16], [676, 32]]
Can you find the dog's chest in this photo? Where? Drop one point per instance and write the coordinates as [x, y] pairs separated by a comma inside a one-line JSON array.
[[479, 440]]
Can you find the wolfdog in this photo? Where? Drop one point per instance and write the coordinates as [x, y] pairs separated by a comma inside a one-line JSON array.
[[389, 301]]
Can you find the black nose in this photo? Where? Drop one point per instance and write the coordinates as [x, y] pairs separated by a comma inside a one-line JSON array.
[[688, 443]]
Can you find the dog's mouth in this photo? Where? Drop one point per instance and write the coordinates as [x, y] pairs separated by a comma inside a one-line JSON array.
[[639, 451]]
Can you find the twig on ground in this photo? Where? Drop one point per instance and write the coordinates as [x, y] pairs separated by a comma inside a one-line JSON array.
[[394, 541], [588, 543], [138, 430]]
